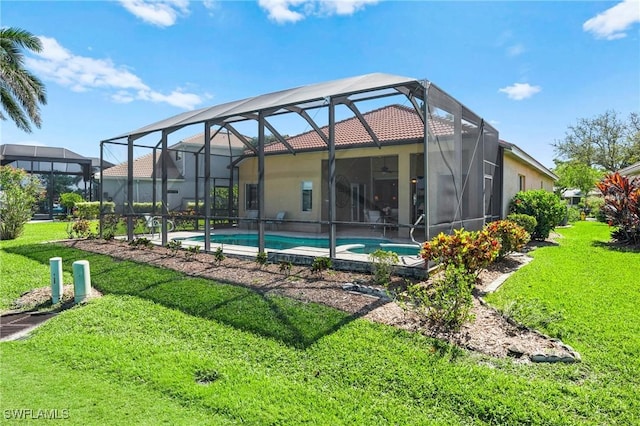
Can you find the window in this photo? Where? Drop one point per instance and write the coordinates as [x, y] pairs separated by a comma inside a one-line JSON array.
[[251, 196], [307, 189], [178, 155], [523, 183]]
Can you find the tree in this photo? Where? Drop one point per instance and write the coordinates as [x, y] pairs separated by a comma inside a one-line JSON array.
[[19, 193], [576, 175], [20, 91], [69, 199], [604, 141]]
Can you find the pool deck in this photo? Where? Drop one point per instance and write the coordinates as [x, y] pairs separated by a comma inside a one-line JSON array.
[[342, 252]]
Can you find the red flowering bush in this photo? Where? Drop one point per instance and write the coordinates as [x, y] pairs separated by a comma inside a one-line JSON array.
[[622, 206], [473, 250], [512, 236]]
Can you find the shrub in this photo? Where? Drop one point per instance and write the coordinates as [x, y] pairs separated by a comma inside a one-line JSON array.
[[174, 246], [19, 194], [545, 206], [622, 206], [512, 236], [573, 214], [110, 223], [146, 207], [183, 219], [141, 242], [529, 223], [447, 302], [79, 228], [285, 268], [320, 264], [262, 258], [595, 206], [191, 252], [191, 205], [69, 199], [471, 250], [91, 209], [218, 256], [87, 210], [382, 263]]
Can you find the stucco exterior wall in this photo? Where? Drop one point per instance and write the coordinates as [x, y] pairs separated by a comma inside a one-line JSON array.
[[116, 191], [285, 173], [513, 168]]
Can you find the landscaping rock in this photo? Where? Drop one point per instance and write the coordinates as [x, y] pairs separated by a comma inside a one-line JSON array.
[[553, 358], [515, 351], [365, 289]]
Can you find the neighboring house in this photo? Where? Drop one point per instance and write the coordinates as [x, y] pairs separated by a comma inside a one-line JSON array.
[[632, 170], [522, 172], [182, 168], [572, 196]]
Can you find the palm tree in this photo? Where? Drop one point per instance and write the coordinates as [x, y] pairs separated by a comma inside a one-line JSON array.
[[20, 91]]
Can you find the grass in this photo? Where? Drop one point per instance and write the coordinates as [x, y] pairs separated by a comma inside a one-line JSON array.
[[140, 354], [595, 288], [21, 273]]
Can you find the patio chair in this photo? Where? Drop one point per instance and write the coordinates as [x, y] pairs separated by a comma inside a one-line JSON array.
[[250, 218], [155, 222], [373, 216], [279, 220]]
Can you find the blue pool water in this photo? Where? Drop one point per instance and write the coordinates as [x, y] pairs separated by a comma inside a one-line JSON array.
[[283, 242]]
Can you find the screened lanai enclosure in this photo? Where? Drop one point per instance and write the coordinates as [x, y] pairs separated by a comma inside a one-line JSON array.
[[58, 169], [343, 167]]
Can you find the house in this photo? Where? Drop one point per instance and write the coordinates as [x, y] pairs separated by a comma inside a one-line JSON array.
[[185, 161], [389, 177], [632, 170], [418, 160], [522, 172]]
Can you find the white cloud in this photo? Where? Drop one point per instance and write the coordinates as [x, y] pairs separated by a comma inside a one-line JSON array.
[[520, 91], [612, 23], [283, 11], [515, 50], [81, 74], [162, 13], [211, 5]]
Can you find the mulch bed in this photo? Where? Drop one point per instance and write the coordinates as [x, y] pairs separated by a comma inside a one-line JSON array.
[[490, 333]]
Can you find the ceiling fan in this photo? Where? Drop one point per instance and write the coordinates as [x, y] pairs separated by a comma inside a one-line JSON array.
[[384, 169]]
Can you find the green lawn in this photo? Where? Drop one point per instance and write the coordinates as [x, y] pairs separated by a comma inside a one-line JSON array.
[[21, 273], [140, 354]]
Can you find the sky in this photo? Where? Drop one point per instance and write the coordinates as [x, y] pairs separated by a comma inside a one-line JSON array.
[[531, 69]]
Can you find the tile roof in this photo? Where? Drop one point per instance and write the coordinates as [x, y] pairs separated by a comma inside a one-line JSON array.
[[391, 124], [221, 139], [143, 168]]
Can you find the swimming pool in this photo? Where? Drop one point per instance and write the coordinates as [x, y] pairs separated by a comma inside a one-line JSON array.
[[283, 242]]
